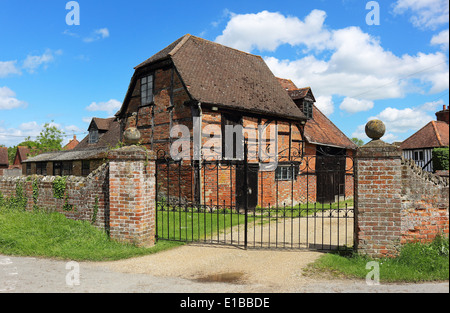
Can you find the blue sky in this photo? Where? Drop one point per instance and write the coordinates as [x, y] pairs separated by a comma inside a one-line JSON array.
[[396, 71]]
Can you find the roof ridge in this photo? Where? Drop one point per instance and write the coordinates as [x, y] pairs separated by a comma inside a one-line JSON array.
[[224, 46], [180, 44], [438, 136]]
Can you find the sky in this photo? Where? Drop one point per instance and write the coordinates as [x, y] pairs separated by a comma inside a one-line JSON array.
[[64, 62]]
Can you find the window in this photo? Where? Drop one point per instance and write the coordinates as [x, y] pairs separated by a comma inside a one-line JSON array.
[[28, 168], [67, 168], [57, 169], [85, 168], [232, 146], [93, 135], [286, 172], [418, 155], [308, 108], [41, 168], [147, 90]]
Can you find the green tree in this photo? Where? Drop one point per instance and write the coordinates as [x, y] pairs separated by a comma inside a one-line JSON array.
[[357, 141], [50, 139]]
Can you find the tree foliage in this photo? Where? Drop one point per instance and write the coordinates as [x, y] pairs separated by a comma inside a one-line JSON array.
[[357, 141], [49, 139]]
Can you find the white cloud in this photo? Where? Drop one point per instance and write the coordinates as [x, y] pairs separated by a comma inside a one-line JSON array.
[[266, 31], [441, 39], [109, 107], [424, 13], [8, 68], [352, 105], [402, 121], [97, 34], [359, 67], [33, 62], [8, 99], [325, 104], [11, 136]]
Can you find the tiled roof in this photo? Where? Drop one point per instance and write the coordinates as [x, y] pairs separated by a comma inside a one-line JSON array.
[[102, 123], [109, 138], [71, 155], [287, 84], [72, 144], [23, 153], [318, 130], [224, 77], [433, 135], [4, 156]]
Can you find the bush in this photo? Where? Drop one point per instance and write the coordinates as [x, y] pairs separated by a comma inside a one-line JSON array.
[[440, 158]]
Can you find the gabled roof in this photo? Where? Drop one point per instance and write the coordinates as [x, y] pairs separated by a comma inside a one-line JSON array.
[[293, 91], [225, 77], [432, 135], [108, 137], [4, 156], [72, 143], [22, 153], [103, 124], [318, 130]]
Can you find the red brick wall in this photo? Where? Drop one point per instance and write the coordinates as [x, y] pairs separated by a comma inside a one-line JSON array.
[[132, 196], [395, 201], [425, 204]]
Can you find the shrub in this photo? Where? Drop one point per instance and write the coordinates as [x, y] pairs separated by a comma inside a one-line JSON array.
[[440, 158]]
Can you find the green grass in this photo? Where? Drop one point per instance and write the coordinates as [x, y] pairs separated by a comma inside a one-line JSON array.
[[416, 262], [194, 225], [304, 209], [52, 235]]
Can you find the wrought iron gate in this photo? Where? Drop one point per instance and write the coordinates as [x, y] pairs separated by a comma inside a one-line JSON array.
[[303, 203]]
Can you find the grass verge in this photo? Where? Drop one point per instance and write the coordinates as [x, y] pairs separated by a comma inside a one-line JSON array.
[[52, 235], [416, 262]]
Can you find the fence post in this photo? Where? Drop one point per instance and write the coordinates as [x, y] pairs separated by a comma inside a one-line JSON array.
[[132, 195], [378, 186]]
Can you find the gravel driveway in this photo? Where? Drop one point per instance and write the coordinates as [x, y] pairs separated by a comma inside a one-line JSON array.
[[187, 269]]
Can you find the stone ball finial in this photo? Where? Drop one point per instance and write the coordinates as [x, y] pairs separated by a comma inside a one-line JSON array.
[[375, 129], [131, 136]]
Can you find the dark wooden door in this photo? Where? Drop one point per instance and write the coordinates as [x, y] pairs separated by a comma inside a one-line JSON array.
[[330, 174], [252, 183]]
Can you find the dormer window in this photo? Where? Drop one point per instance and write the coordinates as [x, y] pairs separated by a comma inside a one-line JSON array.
[[93, 135], [307, 108], [147, 90]]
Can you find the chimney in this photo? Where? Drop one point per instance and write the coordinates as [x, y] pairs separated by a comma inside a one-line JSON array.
[[443, 115]]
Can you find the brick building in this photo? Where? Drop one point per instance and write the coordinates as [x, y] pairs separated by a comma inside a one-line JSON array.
[[4, 163], [85, 157], [205, 86], [197, 81]]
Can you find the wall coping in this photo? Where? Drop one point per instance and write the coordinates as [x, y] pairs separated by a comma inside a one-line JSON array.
[[427, 176], [378, 149], [131, 153]]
